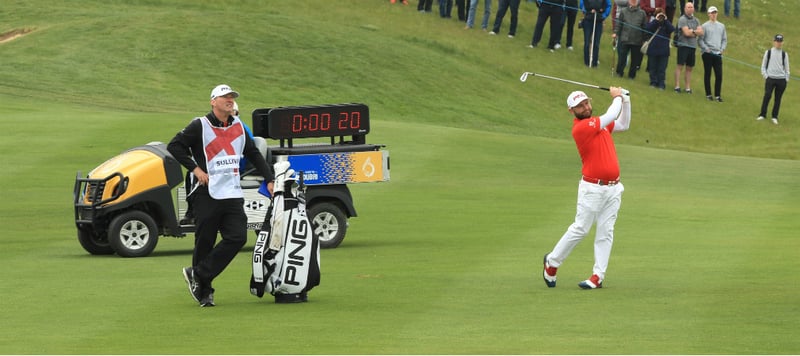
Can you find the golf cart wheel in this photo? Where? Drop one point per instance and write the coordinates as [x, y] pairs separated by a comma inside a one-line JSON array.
[[94, 243], [329, 223], [133, 234]]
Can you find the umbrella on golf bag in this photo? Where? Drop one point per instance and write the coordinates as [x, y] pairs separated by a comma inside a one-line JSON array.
[[286, 254]]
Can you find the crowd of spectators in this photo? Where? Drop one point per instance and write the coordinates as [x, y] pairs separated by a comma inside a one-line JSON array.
[[651, 29]]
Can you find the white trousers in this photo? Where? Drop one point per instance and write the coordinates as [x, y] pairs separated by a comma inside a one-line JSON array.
[[596, 204]]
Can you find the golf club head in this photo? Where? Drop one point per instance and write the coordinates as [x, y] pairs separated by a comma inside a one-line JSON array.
[[524, 77]]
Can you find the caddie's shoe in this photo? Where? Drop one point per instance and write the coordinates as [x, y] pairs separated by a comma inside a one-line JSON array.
[[549, 273], [194, 285], [592, 283], [208, 300]]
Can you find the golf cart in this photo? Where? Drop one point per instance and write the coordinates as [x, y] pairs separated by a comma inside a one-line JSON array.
[[126, 203]]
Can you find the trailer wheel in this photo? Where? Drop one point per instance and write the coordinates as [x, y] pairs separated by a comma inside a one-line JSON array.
[[94, 243], [329, 223], [133, 234]]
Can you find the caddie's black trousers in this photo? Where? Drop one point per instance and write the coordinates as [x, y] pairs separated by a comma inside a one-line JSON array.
[[225, 216]]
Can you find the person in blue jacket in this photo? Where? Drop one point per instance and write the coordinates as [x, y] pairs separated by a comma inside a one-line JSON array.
[[595, 12], [658, 51]]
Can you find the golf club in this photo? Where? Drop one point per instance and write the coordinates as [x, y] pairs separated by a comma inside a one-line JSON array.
[[525, 75], [591, 44], [613, 55]]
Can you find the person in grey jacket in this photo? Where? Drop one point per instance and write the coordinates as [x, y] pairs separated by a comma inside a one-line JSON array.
[[628, 31], [775, 70], [712, 44]]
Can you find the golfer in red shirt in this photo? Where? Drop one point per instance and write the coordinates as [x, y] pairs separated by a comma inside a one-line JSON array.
[[599, 190]]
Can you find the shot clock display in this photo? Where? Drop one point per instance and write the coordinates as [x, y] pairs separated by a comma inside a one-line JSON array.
[[318, 121]]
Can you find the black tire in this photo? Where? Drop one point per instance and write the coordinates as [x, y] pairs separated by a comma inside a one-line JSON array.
[[93, 243], [133, 234], [329, 223]]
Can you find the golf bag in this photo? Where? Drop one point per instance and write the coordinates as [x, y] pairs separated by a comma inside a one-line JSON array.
[[286, 254]]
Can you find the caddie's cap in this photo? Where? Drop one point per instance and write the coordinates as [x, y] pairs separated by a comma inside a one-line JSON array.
[[575, 98], [712, 9], [779, 38], [221, 90]]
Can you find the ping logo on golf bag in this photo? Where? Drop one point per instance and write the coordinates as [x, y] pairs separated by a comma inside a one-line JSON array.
[[261, 242], [295, 246]]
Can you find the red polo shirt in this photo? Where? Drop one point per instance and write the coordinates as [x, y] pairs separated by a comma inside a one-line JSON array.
[[596, 148]]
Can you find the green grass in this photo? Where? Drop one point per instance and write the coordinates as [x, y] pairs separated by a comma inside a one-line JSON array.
[[445, 258]]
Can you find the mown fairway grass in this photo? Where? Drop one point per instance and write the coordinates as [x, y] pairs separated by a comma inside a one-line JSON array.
[[445, 258]]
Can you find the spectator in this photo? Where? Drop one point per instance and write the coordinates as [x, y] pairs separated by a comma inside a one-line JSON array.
[[462, 9], [684, 2], [616, 7], [595, 12], [658, 51], [629, 36], [775, 70], [568, 18], [502, 7], [650, 6], [712, 44], [552, 9], [445, 8], [702, 4], [425, 5], [688, 30], [669, 9], [727, 6], [487, 11]]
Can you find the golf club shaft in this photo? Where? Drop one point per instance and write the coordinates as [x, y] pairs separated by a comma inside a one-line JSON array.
[[525, 75]]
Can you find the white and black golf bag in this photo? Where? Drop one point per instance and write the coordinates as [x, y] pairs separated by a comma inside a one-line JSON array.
[[286, 254]]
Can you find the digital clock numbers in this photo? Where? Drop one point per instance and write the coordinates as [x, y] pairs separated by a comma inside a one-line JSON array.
[[318, 121]]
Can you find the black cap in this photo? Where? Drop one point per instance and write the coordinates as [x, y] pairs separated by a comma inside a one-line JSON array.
[[779, 38]]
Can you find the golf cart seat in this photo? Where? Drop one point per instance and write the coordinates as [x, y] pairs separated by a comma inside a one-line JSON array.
[[254, 180], [261, 144]]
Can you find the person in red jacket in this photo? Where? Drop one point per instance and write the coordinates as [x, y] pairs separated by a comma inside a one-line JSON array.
[[599, 190], [650, 6]]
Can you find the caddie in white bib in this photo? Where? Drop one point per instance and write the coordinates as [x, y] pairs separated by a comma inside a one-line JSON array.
[[223, 148]]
